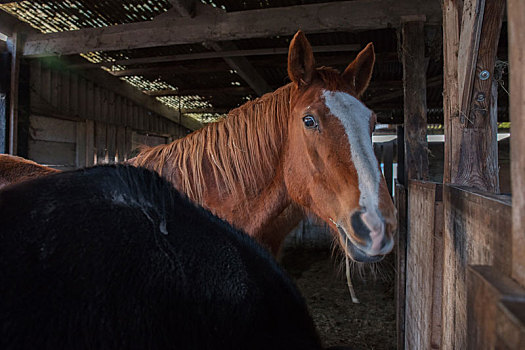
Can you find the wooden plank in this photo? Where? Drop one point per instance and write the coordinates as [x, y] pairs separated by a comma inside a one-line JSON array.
[[437, 297], [90, 143], [100, 142], [80, 145], [415, 101], [388, 156], [478, 162], [477, 231], [52, 129], [401, 246], [243, 68], [471, 142], [57, 154], [17, 41], [65, 91], [471, 23], [128, 145], [121, 143], [510, 324], [126, 90], [486, 288], [111, 142], [230, 90], [423, 271], [187, 67], [73, 103], [516, 23], [185, 8], [451, 30], [5, 64], [220, 26]]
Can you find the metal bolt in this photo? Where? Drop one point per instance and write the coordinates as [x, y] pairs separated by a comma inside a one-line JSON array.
[[481, 97], [484, 74]]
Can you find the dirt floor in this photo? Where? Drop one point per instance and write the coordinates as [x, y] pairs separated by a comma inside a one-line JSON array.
[[368, 325]]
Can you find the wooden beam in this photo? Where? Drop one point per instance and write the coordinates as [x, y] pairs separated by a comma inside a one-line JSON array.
[[516, 23], [220, 26], [233, 90], [171, 69], [415, 100], [471, 139], [219, 54], [207, 110], [114, 84], [243, 68], [471, 22], [9, 24], [186, 8], [451, 30], [431, 82]]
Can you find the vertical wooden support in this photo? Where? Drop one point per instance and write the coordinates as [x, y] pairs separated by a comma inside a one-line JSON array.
[[90, 142], [401, 246], [451, 30], [80, 145], [415, 100], [471, 156], [16, 48], [4, 91], [516, 23], [424, 274], [388, 156]]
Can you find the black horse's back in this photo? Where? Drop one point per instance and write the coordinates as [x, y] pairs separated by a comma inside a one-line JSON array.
[[114, 258]]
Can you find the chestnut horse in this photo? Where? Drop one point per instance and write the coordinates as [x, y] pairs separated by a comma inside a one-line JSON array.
[[306, 145]]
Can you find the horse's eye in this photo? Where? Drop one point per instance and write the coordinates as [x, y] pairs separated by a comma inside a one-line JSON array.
[[309, 122]]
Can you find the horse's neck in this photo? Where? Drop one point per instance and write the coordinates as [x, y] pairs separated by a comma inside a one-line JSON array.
[[261, 195]]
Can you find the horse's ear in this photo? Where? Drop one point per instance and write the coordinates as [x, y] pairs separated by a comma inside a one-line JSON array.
[[359, 72], [300, 60]]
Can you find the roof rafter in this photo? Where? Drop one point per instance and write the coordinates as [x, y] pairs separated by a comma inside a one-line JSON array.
[[220, 26]]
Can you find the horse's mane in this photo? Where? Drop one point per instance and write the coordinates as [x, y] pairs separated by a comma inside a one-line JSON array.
[[240, 150]]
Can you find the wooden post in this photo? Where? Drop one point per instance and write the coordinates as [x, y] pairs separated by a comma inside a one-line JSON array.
[[388, 155], [401, 246], [17, 44], [516, 23], [415, 100], [471, 153], [4, 91]]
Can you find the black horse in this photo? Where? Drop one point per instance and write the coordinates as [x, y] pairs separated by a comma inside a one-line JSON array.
[[114, 257]]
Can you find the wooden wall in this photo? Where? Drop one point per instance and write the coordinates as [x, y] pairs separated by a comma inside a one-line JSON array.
[[424, 266], [74, 122], [477, 231]]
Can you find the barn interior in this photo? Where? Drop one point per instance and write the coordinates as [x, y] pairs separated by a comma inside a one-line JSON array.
[[86, 82]]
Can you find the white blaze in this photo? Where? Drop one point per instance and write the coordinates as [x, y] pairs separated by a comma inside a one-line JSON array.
[[355, 118]]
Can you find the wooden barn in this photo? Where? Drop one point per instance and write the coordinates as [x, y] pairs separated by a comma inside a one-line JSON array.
[[86, 82]]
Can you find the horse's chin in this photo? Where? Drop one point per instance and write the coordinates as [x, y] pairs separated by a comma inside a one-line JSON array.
[[353, 251]]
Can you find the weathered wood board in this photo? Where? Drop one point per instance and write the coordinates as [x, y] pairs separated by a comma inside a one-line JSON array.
[[401, 245], [477, 231], [424, 266], [510, 325], [486, 288]]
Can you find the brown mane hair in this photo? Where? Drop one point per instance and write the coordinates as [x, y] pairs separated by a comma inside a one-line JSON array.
[[257, 127]]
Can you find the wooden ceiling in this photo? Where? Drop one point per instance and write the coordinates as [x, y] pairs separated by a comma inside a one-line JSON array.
[[203, 58]]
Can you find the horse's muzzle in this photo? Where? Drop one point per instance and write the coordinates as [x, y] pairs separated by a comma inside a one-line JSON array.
[[369, 240]]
